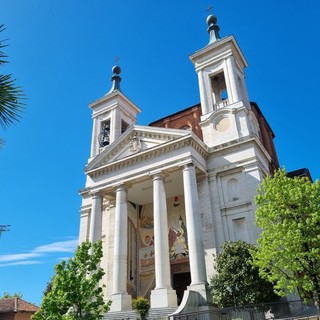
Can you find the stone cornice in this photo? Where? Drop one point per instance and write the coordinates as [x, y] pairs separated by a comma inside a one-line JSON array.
[[200, 57], [145, 135], [189, 140], [226, 148], [115, 95], [230, 109], [238, 142], [225, 209]]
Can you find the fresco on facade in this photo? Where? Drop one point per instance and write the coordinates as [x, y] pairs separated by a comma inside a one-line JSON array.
[[177, 231], [177, 236], [146, 252]]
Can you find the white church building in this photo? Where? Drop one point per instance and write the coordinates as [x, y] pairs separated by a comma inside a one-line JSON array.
[[163, 198]]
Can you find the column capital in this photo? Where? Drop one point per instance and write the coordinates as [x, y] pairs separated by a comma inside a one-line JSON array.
[[123, 186], [189, 165], [189, 162], [158, 173], [95, 194]]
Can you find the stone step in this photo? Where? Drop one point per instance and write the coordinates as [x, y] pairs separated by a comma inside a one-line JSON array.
[[160, 313], [154, 314], [121, 315]]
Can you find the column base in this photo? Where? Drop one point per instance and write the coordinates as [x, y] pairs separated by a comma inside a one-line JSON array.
[[202, 289], [163, 298], [120, 302]]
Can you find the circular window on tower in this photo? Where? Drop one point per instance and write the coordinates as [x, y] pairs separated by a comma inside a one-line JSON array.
[[222, 124]]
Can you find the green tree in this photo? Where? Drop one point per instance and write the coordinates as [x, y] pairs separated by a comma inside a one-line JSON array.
[[237, 282], [48, 288], [75, 291], [10, 94], [289, 246]]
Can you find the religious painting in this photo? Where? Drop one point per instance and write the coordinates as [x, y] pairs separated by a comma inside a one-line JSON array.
[[178, 240], [146, 252], [146, 243]]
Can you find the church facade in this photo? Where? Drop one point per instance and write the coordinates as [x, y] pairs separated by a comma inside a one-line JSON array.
[[163, 198]]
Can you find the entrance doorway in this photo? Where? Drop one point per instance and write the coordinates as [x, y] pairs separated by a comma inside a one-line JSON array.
[[180, 283]]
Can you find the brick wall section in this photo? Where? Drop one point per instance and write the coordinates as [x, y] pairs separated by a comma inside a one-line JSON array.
[[188, 117], [191, 117], [266, 136]]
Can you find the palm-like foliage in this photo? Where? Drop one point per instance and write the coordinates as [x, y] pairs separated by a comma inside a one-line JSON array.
[[10, 94]]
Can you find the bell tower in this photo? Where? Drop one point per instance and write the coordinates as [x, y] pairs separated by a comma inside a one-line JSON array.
[[226, 111], [112, 115]]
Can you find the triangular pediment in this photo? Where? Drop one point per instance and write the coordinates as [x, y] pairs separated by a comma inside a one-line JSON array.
[[135, 140]]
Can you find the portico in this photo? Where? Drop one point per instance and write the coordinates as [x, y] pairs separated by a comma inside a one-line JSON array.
[[167, 180]]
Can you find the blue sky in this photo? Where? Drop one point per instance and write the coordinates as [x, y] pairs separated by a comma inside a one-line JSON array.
[[61, 52]]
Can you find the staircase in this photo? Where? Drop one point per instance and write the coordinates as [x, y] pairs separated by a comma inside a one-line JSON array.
[[154, 314]]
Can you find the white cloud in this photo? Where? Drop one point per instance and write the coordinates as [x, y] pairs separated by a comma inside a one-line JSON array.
[[23, 262], [61, 246], [38, 252], [19, 256]]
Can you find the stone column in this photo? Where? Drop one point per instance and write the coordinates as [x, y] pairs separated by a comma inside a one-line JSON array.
[[95, 218], [194, 229], [120, 298], [163, 295], [233, 77], [205, 89]]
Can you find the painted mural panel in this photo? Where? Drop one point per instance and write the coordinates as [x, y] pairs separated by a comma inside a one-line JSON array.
[[177, 237], [177, 230]]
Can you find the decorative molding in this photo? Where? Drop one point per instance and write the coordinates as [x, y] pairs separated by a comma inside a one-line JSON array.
[[144, 136], [103, 167], [224, 210]]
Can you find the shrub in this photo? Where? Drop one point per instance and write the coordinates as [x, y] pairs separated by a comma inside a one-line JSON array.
[[142, 306]]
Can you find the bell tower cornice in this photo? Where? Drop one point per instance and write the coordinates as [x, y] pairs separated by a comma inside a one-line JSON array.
[[218, 51], [112, 99]]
